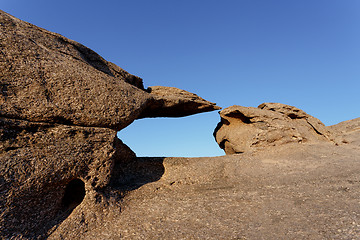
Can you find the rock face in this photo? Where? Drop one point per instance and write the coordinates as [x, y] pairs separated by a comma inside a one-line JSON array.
[[60, 107], [46, 77], [244, 129], [41, 162]]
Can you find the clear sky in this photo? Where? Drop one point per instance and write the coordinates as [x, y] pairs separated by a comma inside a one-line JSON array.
[[233, 52]]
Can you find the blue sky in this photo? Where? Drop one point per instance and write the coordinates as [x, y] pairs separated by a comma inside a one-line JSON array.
[[232, 52]]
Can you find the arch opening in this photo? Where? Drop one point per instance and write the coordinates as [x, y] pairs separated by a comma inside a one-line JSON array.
[[190, 136]]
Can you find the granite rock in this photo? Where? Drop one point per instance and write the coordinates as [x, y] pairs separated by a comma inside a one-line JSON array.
[[287, 191], [174, 102], [45, 77], [244, 129], [47, 169], [62, 167]]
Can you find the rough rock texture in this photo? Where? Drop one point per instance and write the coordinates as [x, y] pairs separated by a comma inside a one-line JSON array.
[[45, 77], [40, 160], [174, 102], [61, 181], [347, 132], [292, 191], [49, 78], [244, 129], [60, 107], [298, 114]]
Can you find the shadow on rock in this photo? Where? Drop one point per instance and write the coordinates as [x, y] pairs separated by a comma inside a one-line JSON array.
[[136, 173]]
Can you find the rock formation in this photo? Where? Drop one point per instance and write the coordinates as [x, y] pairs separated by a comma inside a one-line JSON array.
[[65, 175], [347, 132], [290, 191], [60, 107], [174, 102], [243, 129], [39, 161], [46, 77]]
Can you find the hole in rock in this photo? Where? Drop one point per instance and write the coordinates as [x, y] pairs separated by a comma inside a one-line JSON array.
[[222, 144], [294, 116], [74, 194]]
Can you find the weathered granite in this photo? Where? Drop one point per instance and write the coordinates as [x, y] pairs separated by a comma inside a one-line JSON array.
[[244, 129]]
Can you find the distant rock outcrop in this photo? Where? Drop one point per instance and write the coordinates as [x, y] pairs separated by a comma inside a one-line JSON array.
[[60, 107], [245, 128], [347, 132]]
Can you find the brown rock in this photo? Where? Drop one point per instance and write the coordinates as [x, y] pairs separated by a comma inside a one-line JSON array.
[[46, 170], [347, 132], [246, 128], [62, 181], [292, 191], [295, 113], [62, 168], [174, 102], [45, 77]]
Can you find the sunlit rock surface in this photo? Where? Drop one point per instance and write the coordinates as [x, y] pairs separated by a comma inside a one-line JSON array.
[[65, 175], [60, 107], [243, 129]]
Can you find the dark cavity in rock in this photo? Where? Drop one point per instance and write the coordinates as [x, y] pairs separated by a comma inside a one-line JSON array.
[[74, 194]]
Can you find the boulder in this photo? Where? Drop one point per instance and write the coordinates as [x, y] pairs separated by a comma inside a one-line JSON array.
[[298, 114], [244, 129]]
